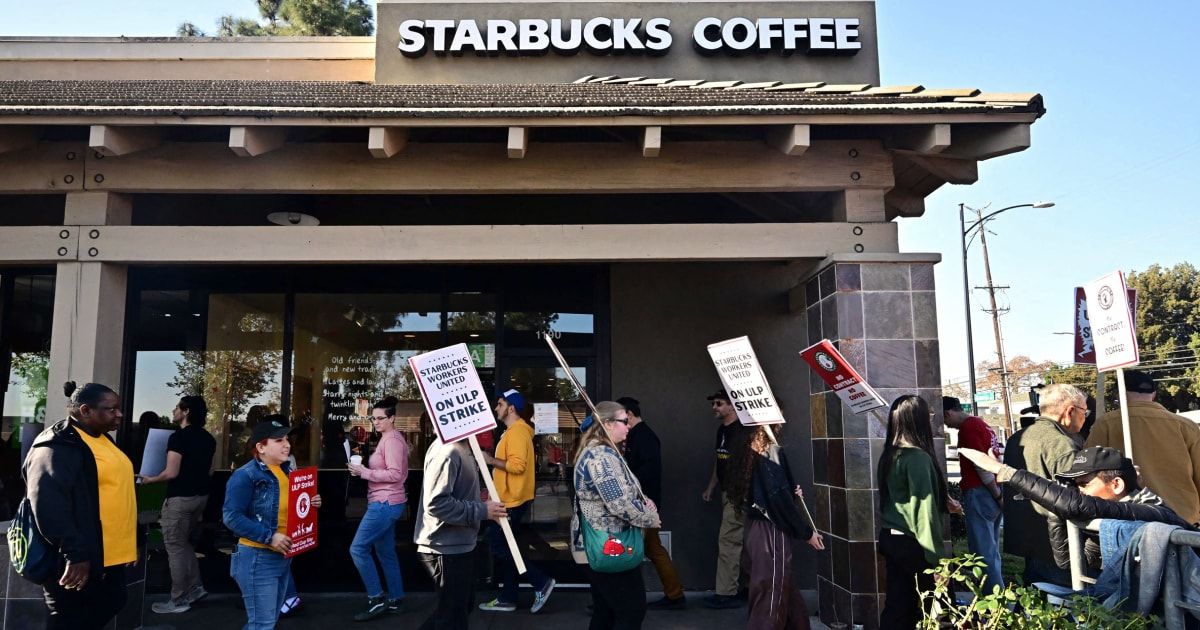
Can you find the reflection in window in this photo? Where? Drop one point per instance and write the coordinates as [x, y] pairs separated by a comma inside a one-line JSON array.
[[26, 338]]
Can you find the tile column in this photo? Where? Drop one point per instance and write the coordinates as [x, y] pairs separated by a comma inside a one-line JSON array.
[[878, 309]]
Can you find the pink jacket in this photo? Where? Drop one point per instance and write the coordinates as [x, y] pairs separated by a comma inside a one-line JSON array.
[[387, 470]]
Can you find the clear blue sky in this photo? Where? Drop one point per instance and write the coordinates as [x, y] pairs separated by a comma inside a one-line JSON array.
[[1118, 150]]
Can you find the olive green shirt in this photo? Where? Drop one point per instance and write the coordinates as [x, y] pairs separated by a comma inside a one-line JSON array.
[[913, 504]]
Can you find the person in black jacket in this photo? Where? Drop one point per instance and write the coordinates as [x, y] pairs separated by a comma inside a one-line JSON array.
[[75, 475], [765, 487], [1101, 484]]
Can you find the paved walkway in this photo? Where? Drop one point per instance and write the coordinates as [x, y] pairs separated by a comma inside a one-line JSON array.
[[565, 610]]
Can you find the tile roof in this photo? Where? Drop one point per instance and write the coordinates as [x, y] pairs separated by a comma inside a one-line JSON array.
[[594, 96]]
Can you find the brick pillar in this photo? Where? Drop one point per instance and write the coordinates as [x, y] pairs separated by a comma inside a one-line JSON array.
[[878, 309]]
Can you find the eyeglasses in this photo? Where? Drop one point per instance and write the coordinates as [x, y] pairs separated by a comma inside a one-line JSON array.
[[624, 421], [380, 418], [719, 403]]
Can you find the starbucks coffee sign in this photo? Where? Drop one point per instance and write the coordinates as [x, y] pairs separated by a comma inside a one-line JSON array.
[[544, 42], [609, 35]]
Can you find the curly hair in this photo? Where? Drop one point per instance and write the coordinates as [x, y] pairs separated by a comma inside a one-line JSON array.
[[742, 458]]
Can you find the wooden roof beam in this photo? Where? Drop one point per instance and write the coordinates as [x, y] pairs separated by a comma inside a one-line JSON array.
[[518, 142], [17, 138], [921, 139], [983, 142], [254, 141], [651, 141], [902, 202], [384, 142], [791, 140], [111, 141], [949, 170]]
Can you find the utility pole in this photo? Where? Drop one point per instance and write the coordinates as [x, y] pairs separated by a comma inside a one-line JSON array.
[[995, 312]]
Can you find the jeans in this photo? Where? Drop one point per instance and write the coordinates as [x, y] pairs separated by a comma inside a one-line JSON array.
[[91, 608], [262, 575], [505, 569], [906, 578], [454, 582], [179, 517], [983, 517], [618, 600], [377, 531]]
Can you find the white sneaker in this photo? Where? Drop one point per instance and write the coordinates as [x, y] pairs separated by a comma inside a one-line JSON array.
[[196, 594]]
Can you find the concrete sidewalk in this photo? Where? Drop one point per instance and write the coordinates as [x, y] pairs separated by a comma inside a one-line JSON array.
[[565, 610]]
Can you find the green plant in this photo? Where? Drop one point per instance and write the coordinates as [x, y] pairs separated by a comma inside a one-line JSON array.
[[1014, 606]]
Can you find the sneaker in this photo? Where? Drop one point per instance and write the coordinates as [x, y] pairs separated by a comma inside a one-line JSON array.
[[723, 601], [666, 603], [395, 605], [196, 594], [290, 605], [171, 606], [541, 597], [497, 606], [376, 606]]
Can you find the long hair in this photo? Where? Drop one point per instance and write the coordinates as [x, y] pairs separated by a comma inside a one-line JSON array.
[[908, 421], [741, 465], [596, 434]]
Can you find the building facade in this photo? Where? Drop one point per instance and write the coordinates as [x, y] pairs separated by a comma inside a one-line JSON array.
[[280, 223]]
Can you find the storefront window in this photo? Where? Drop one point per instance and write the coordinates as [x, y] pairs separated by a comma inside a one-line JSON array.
[[27, 305]]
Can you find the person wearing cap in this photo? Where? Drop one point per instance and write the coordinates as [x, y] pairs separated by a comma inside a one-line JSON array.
[[1100, 484], [255, 510], [513, 470], [643, 452], [731, 436], [1165, 446], [1046, 449], [981, 498]]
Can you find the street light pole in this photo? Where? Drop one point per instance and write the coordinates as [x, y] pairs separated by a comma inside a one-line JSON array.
[[987, 270], [967, 310], [965, 233]]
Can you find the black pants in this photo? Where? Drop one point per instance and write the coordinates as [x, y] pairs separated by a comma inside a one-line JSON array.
[[454, 581], [93, 607], [618, 600], [906, 577]]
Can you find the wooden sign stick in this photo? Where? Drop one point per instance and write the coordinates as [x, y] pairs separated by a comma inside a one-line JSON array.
[[504, 524]]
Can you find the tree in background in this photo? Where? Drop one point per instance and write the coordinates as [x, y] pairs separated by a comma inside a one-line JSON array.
[[1168, 331], [294, 17]]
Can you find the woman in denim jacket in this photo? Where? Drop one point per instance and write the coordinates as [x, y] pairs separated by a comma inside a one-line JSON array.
[[611, 500], [256, 503]]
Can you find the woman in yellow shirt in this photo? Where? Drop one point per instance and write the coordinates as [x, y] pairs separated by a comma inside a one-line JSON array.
[[80, 486], [255, 509]]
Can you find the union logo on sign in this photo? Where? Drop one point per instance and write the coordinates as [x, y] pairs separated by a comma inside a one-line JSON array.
[[826, 362], [1105, 297], [303, 505]]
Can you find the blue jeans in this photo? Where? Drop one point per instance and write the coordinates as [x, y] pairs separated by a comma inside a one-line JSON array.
[[377, 531], [262, 575], [502, 561], [983, 516]]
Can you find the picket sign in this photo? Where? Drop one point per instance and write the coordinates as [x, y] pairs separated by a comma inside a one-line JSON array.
[[459, 408], [1114, 337]]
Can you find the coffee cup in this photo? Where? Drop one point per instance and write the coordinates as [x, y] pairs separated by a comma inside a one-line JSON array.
[[356, 460]]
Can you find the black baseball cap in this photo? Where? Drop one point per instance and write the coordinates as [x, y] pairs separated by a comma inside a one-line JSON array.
[[719, 395], [269, 429], [1139, 382], [1096, 459]]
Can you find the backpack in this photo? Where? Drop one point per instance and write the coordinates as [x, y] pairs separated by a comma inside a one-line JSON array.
[[30, 554]]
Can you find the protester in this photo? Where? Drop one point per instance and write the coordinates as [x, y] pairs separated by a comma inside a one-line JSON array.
[[80, 486], [446, 529], [189, 464], [611, 501], [1101, 483], [981, 497], [643, 452], [912, 499], [1047, 449], [255, 510], [1166, 446], [731, 435], [762, 483], [385, 474], [514, 470]]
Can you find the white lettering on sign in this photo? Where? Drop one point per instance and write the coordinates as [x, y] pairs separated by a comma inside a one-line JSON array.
[[604, 35]]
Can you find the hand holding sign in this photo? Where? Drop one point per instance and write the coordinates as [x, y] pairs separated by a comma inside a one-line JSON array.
[[458, 406]]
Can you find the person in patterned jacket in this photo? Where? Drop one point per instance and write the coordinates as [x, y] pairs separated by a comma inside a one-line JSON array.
[[611, 500]]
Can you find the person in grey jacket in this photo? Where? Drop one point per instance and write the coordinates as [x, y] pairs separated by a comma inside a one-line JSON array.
[[446, 529]]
